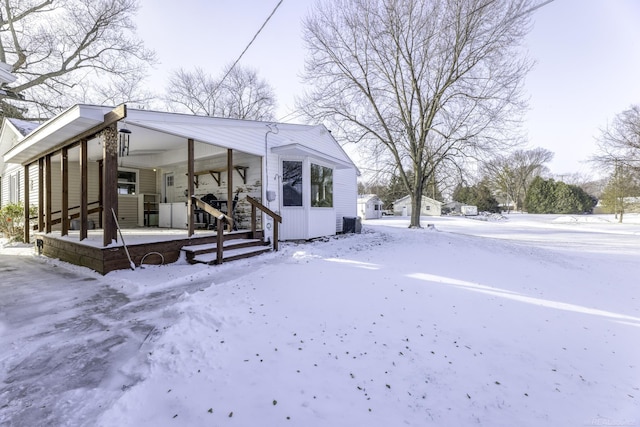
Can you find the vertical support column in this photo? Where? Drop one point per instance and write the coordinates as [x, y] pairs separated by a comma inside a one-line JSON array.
[[190, 177], [64, 209], [100, 195], [40, 194], [275, 234], [110, 184], [27, 219], [84, 190], [230, 185], [47, 194]]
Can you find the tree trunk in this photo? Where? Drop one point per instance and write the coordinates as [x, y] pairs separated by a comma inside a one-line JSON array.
[[416, 206]]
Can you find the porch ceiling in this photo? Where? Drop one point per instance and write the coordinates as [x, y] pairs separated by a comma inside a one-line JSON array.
[[72, 122], [152, 135]]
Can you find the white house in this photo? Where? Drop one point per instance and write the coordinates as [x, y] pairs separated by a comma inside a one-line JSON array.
[[430, 207], [298, 172], [369, 206], [11, 182]]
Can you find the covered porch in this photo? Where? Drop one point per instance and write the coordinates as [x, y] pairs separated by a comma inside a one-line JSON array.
[[93, 171]]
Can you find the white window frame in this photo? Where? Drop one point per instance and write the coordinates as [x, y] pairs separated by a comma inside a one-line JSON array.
[[14, 187], [135, 183]]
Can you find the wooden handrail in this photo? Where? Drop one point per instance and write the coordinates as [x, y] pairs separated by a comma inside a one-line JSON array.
[[276, 218], [213, 211]]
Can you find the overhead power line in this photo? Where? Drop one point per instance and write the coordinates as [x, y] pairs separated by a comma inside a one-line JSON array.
[[250, 43]]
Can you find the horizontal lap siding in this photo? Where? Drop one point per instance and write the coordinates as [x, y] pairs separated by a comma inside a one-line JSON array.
[[128, 211], [345, 195], [147, 181]]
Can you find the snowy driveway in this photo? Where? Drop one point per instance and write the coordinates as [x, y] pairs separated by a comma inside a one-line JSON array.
[[532, 321], [64, 334]]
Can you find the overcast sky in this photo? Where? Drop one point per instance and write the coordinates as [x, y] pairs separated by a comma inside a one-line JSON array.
[[586, 51]]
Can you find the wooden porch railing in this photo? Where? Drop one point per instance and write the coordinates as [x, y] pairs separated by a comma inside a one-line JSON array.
[[277, 219], [75, 215], [220, 219]]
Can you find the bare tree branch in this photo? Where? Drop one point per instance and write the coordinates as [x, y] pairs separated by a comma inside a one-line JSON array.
[[241, 95], [68, 51], [422, 84]]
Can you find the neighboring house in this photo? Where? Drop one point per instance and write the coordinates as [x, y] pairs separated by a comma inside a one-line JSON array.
[[430, 207], [11, 182], [82, 161], [369, 206]]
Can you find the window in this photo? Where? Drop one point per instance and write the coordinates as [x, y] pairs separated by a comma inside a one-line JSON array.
[[127, 182], [321, 186], [169, 180], [14, 188], [291, 183]]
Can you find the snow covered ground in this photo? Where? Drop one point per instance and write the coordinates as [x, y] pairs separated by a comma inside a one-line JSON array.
[[527, 321]]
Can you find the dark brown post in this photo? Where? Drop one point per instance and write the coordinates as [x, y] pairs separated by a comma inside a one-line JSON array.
[[230, 182], [47, 193], [27, 226], [275, 235], [84, 191], [64, 209], [100, 195], [230, 186], [110, 184], [40, 194], [219, 240], [190, 178], [254, 220]]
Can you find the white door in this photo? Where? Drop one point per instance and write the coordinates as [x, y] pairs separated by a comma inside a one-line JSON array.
[[168, 188]]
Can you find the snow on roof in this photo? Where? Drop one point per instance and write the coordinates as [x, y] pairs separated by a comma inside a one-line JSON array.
[[23, 126], [164, 131], [364, 198], [424, 199]]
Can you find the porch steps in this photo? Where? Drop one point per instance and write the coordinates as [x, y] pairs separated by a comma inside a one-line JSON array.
[[234, 249]]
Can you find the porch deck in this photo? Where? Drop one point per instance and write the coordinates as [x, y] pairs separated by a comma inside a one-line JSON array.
[[151, 245]]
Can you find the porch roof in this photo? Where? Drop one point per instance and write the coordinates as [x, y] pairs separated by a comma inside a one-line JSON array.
[[154, 132]]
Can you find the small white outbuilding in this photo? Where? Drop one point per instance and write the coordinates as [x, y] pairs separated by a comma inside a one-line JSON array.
[[429, 207], [369, 206]]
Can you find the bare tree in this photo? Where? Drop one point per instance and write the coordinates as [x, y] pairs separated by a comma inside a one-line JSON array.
[[426, 82], [512, 174], [239, 93], [66, 51], [619, 142], [619, 154]]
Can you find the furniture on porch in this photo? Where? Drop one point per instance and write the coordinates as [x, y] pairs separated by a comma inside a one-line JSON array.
[[148, 210], [205, 218], [172, 215]]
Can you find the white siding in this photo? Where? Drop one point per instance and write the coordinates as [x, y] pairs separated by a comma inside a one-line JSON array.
[[294, 223], [295, 219], [321, 222], [345, 195]]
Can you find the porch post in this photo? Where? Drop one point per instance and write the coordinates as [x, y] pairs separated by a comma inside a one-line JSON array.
[[47, 194], [27, 227], [110, 184], [84, 184], [64, 210], [230, 182], [190, 177], [100, 195], [40, 194]]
